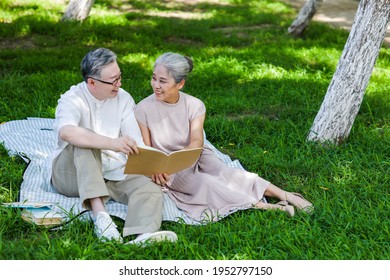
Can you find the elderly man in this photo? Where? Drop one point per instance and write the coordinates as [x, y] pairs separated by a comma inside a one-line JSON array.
[[96, 132]]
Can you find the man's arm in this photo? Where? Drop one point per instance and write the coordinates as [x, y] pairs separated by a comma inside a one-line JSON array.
[[85, 138]]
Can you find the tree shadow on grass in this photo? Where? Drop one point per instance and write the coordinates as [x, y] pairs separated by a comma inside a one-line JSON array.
[[230, 41], [241, 25]]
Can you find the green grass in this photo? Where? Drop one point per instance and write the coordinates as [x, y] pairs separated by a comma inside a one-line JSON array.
[[262, 90]]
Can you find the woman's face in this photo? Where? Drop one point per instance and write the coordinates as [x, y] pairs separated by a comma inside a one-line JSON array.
[[164, 86]]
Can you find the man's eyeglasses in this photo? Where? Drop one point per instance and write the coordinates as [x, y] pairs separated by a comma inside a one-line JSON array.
[[109, 83]]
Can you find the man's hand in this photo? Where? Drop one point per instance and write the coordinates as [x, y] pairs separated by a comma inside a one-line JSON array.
[[126, 145]]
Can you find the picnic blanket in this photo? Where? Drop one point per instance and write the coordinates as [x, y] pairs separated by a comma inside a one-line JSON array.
[[33, 140]]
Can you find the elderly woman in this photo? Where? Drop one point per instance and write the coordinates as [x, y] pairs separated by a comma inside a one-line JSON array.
[[172, 120]]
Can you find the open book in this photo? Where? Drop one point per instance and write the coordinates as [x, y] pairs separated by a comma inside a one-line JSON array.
[[39, 213], [151, 161]]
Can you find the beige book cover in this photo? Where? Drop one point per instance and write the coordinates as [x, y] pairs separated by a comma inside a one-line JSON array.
[[151, 161]]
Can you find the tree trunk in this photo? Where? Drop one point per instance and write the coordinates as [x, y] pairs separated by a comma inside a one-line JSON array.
[[345, 93], [78, 10], [305, 15]]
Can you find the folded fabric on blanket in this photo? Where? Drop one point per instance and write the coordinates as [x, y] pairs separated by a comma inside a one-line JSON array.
[[33, 140]]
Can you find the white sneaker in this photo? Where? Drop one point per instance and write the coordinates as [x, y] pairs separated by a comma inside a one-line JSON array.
[[154, 237], [105, 228]]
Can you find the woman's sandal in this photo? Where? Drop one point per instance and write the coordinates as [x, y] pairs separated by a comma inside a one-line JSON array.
[[286, 207], [281, 205], [305, 207]]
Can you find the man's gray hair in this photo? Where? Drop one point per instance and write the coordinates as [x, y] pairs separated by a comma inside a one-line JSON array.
[[178, 66], [94, 61]]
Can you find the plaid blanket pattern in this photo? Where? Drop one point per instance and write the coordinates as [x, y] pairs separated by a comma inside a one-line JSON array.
[[33, 140]]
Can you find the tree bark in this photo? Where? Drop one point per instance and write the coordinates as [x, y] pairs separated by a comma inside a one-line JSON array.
[[77, 10], [345, 93], [305, 15]]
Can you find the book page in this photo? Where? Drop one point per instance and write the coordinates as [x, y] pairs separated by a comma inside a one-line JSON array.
[[42, 217], [45, 205], [42, 214]]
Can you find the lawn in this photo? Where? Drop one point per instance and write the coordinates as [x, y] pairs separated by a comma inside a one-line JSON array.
[[262, 90]]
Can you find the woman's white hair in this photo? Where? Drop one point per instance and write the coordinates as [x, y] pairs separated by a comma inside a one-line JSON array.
[[178, 66]]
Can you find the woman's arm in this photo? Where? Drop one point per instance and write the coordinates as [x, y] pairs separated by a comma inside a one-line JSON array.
[[145, 134], [196, 132]]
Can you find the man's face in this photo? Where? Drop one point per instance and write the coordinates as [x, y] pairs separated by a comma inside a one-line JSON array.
[[107, 86]]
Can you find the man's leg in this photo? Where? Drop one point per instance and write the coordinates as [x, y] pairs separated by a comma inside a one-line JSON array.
[[78, 172], [144, 200]]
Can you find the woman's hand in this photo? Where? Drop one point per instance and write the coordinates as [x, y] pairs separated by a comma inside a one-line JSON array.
[[161, 179]]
